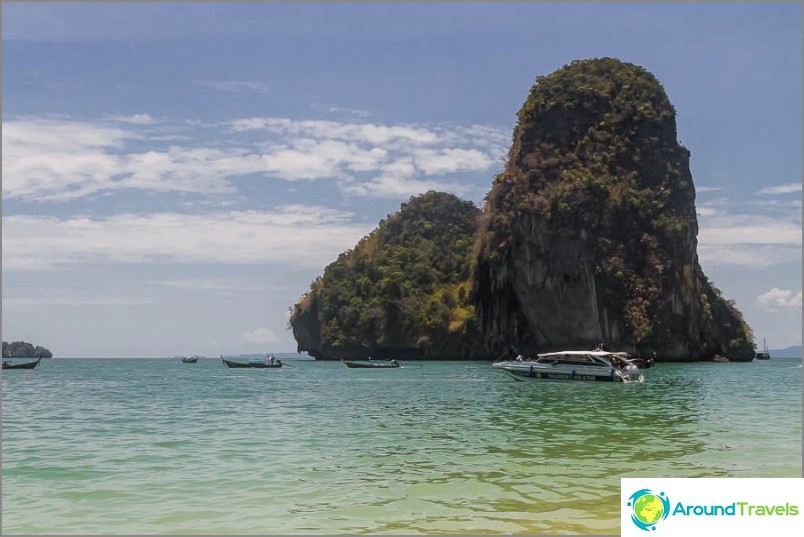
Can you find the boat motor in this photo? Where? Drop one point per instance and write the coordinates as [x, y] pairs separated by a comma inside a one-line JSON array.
[[632, 372]]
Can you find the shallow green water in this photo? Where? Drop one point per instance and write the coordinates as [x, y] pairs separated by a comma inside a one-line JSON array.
[[145, 446]]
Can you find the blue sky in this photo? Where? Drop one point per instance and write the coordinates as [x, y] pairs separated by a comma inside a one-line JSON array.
[[175, 175]]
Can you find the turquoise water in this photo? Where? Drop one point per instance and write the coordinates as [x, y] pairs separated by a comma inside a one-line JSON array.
[[152, 446]]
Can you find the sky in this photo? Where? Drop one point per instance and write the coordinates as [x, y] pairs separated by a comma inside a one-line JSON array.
[[176, 175]]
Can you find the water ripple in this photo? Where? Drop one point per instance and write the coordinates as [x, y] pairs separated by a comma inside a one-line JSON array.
[[151, 446]]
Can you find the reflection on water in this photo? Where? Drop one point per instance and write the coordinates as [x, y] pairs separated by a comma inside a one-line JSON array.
[[153, 446]]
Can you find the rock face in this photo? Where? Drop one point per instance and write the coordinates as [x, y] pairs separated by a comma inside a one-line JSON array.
[[590, 233], [402, 292], [23, 349]]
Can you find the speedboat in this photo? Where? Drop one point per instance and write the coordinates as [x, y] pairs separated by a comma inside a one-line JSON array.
[[189, 359], [574, 365]]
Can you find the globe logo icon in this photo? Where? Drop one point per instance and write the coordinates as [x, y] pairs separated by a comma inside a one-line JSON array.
[[648, 508]]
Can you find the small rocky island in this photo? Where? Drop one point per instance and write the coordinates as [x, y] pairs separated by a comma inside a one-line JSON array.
[[402, 292], [23, 349], [588, 235]]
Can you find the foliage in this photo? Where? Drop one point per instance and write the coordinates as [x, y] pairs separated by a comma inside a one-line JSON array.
[[595, 151], [595, 159], [404, 285]]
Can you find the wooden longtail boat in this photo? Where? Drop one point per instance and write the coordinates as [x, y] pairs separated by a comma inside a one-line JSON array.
[[8, 364], [372, 364], [261, 363]]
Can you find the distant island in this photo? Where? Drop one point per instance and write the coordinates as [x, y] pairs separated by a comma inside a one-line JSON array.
[[23, 349], [787, 352]]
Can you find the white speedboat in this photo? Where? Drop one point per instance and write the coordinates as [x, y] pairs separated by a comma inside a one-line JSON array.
[[573, 365]]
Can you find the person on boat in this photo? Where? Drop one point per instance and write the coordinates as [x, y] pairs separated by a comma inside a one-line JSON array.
[[394, 362]]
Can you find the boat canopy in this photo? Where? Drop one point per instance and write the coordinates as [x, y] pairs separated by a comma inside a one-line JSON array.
[[585, 354], [582, 353]]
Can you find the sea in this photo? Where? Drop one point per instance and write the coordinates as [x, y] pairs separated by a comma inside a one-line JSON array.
[[154, 446]]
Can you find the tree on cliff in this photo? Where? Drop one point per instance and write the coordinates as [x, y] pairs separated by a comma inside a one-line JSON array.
[[22, 349], [402, 292], [590, 233]]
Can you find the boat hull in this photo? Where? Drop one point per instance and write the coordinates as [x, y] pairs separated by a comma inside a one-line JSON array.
[[365, 365], [548, 376], [243, 365], [26, 365], [536, 371]]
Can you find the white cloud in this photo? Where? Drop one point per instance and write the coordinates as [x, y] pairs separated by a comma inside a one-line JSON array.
[[755, 256], [356, 132], [783, 204], [260, 335], [748, 240], [170, 138], [442, 136], [788, 188], [350, 111], [777, 299], [136, 119], [707, 211], [391, 186], [64, 160], [55, 158], [398, 179], [450, 160], [224, 286], [307, 158], [396, 158], [750, 229], [307, 236], [704, 189], [234, 86], [491, 138]]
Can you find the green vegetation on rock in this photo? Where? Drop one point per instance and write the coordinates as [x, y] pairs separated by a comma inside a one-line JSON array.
[[588, 235], [598, 192], [402, 292]]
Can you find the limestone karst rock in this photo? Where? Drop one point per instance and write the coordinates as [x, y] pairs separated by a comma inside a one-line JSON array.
[[590, 233], [402, 292]]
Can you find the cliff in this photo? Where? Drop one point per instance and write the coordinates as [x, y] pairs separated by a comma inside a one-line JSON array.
[[402, 292], [590, 232], [22, 349]]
